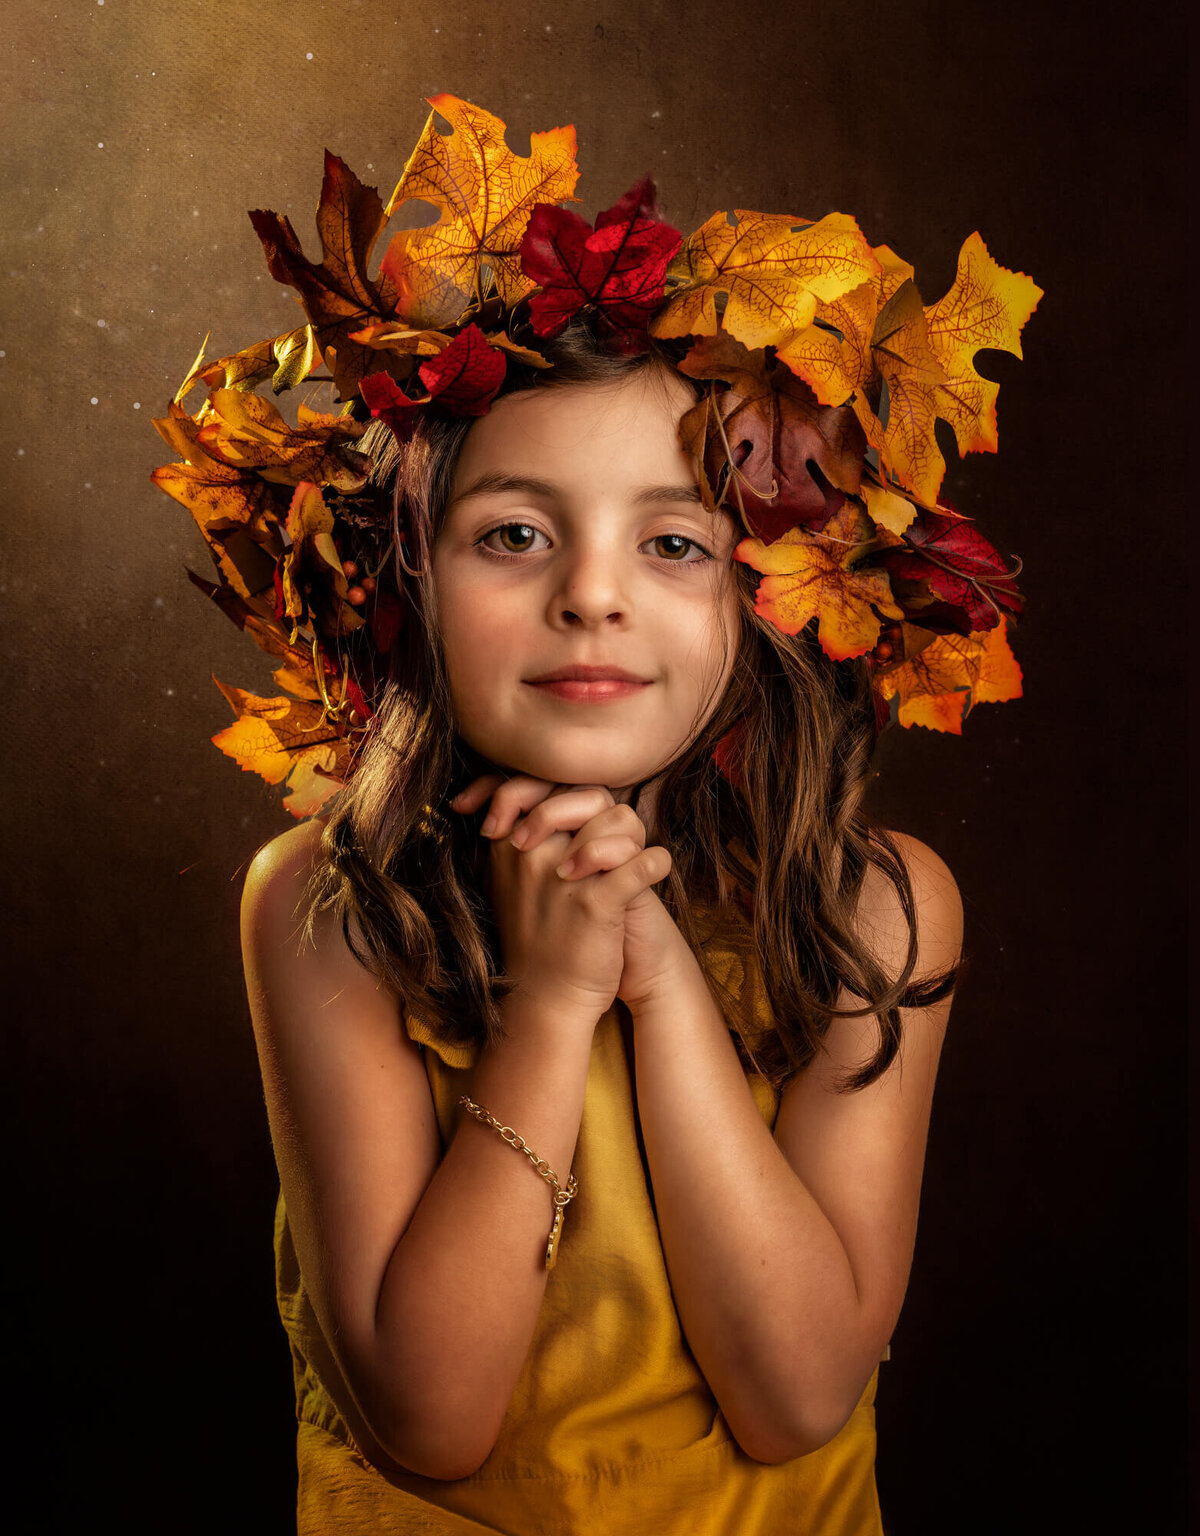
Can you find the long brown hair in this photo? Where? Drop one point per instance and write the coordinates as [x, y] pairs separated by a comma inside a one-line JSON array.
[[782, 845]]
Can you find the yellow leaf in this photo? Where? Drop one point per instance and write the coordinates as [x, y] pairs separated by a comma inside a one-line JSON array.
[[774, 270], [940, 684], [485, 196], [888, 510], [835, 368], [987, 306]]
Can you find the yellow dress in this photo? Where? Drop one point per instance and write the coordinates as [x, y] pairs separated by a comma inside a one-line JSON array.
[[612, 1428]]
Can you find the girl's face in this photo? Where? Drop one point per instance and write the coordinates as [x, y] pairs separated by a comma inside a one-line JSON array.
[[574, 532]]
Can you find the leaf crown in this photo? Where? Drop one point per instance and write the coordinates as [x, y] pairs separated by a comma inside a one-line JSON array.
[[824, 372]]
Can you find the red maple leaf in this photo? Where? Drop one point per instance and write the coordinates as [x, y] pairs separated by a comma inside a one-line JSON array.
[[965, 573], [619, 267]]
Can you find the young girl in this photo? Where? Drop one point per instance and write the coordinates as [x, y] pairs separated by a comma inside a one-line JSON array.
[[703, 1354], [598, 1022]]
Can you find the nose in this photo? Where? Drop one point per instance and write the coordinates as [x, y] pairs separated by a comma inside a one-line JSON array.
[[592, 586]]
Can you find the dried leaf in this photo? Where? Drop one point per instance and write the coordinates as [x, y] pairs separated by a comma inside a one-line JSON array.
[[246, 432], [485, 195], [795, 461], [313, 585], [337, 296], [811, 575], [939, 686], [773, 269], [284, 738]]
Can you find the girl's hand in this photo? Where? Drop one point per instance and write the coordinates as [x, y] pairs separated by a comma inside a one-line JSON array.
[[563, 936], [654, 952]]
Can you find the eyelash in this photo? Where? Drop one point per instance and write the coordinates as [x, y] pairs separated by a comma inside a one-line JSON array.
[[493, 554]]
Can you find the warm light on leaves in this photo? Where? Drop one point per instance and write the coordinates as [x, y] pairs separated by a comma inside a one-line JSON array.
[[833, 355], [823, 376], [939, 686], [773, 269], [284, 738], [809, 576], [485, 195], [245, 431]]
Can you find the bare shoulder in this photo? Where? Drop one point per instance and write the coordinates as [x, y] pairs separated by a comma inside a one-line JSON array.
[[937, 906], [278, 875]]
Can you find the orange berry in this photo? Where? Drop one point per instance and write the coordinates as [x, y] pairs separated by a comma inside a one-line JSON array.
[[356, 595]]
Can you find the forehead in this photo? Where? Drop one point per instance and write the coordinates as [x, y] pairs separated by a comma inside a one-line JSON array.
[[554, 442]]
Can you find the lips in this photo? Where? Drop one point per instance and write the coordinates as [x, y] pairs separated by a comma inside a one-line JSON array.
[[578, 672], [590, 690]]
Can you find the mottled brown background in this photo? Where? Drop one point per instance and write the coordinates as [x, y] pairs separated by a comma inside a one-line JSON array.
[[1036, 1382]]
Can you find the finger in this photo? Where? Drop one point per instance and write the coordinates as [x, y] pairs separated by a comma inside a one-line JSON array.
[[598, 853], [618, 887], [569, 813], [469, 799], [520, 796]]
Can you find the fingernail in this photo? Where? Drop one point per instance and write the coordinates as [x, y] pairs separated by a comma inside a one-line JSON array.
[[457, 797], [565, 868], [489, 824]]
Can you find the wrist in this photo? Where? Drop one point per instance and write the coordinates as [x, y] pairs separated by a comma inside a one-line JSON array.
[[556, 1010], [680, 985]]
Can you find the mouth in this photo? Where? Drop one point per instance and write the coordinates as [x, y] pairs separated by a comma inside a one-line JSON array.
[[581, 690]]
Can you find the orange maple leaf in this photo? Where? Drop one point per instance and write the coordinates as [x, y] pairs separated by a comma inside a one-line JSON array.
[[940, 684], [485, 196], [810, 575], [773, 269], [987, 306], [284, 738], [922, 354]]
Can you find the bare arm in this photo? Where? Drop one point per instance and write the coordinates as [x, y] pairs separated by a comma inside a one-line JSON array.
[[426, 1276], [789, 1255]]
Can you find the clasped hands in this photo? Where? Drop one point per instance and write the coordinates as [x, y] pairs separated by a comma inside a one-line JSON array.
[[526, 810]]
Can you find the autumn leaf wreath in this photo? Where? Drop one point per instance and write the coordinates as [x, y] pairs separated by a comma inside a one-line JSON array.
[[825, 376]]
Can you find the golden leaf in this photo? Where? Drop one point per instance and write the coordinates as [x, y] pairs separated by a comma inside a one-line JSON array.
[[774, 270], [987, 306], [246, 432], [809, 575], [834, 368], [939, 685], [284, 738], [485, 195], [888, 511]]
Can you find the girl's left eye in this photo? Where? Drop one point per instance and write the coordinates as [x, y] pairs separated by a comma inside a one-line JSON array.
[[678, 538]]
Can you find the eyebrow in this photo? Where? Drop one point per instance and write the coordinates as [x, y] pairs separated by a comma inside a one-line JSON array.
[[496, 482]]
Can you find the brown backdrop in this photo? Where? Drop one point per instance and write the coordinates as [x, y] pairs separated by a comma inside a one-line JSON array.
[[1034, 1383]]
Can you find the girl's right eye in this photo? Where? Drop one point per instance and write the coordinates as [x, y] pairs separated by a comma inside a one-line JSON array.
[[501, 528]]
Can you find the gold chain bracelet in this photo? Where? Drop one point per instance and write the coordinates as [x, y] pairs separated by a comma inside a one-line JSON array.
[[561, 1196]]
